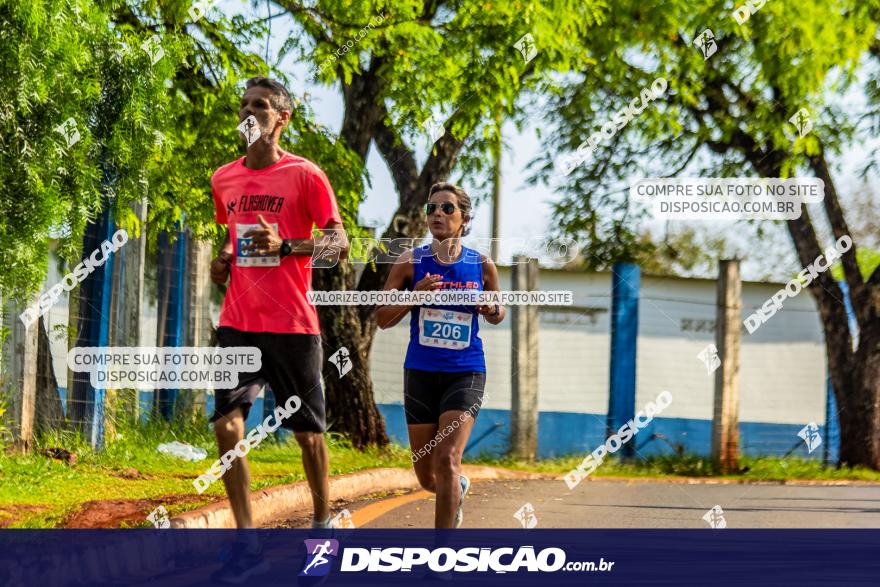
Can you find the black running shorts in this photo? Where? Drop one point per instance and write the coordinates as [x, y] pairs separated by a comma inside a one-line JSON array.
[[427, 394], [291, 365]]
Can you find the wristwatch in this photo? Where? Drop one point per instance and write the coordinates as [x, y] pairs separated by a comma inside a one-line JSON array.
[[286, 249]]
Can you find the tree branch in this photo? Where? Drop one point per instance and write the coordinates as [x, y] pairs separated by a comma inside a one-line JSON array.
[[838, 223], [400, 158]]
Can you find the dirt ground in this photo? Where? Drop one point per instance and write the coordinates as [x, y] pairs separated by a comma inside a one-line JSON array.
[[117, 513]]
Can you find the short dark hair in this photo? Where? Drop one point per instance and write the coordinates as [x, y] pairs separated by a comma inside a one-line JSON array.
[[464, 201], [280, 96]]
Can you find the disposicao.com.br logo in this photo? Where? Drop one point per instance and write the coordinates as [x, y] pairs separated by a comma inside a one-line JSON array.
[[440, 560], [318, 561]]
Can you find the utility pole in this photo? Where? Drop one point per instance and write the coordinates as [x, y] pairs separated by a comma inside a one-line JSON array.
[[725, 418]]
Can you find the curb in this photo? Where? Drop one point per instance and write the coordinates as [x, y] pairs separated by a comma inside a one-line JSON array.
[[274, 503]]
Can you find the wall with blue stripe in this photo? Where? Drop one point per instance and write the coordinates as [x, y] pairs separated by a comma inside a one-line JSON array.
[[662, 324], [564, 434], [783, 375]]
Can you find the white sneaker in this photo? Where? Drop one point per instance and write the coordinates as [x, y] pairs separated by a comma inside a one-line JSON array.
[[459, 515], [326, 524]]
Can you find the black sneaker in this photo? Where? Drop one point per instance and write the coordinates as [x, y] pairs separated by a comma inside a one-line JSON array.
[[240, 566]]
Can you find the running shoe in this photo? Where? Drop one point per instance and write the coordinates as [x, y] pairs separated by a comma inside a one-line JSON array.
[[325, 525], [240, 566], [459, 515]]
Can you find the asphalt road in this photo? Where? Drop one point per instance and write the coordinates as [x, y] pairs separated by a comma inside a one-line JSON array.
[[633, 504]]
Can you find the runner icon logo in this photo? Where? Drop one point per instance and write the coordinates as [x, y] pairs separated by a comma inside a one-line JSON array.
[[159, 518], [526, 516], [706, 43], [709, 356], [319, 560], [342, 520], [802, 121], [69, 131], [250, 129], [341, 358], [715, 518], [526, 47], [811, 436], [153, 47]]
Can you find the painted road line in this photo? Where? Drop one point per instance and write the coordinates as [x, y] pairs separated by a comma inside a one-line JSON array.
[[370, 512]]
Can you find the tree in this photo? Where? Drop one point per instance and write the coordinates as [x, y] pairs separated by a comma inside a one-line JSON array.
[[111, 102], [81, 101], [399, 64], [726, 115]]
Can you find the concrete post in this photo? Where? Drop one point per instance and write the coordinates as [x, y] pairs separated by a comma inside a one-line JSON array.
[[20, 359], [198, 328], [524, 364], [133, 257], [725, 418]]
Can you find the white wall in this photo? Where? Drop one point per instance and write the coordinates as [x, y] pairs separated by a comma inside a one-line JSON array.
[[782, 365]]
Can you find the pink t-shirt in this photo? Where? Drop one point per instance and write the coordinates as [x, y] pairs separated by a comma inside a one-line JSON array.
[[268, 293]]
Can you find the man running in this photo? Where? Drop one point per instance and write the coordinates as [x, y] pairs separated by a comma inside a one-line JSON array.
[[270, 201], [445, 370], [320, 552]]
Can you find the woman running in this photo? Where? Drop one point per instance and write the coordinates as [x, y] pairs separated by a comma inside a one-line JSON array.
[[445, 370]]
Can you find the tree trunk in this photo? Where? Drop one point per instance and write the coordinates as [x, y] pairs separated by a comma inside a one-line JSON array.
[[860, 415], [49, 415], [350, 405], [855, 375], [351, 408]]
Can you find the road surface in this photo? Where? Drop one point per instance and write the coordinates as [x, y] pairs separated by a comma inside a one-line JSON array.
[[629, 504]]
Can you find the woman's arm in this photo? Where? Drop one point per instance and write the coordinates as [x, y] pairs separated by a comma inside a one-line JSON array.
[[491, 283], [399, 276]]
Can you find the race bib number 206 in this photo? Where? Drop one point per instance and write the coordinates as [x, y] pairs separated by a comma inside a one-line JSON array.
[[444, 328], [252, 258]]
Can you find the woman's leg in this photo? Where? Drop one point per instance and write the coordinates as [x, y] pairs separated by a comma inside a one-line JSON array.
[[420, 437], [455, 428]]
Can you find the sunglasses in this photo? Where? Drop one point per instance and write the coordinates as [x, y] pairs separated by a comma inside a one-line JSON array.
[[447, 207]]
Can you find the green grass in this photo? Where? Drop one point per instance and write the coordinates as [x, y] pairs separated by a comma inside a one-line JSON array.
[[751, 468], [60, 489]]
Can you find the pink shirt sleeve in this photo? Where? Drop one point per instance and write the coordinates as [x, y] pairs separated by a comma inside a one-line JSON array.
[[321, 200], [219, 208]]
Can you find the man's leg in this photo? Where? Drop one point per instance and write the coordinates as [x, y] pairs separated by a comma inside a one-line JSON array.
[[293, 364], [229, 429], [246, 557], [316, 463]]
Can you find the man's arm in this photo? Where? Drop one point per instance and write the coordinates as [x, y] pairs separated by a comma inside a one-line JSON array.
[[331, 247], [221, 265]]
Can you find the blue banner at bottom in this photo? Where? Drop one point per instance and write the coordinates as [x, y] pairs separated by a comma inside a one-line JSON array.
[[170, 557]]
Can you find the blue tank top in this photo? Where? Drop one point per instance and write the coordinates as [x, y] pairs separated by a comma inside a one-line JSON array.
[[446, 338]]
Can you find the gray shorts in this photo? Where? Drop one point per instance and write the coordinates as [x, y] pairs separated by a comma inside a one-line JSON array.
[[291, 365]]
